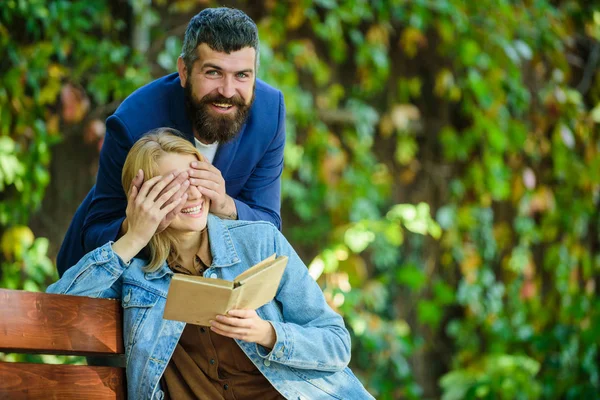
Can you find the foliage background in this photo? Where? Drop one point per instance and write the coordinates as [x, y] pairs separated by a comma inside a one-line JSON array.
[[442, 172]]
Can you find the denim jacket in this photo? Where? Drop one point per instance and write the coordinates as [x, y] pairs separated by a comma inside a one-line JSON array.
[[310, 357]]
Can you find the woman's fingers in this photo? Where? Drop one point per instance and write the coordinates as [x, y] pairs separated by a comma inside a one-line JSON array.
[[149, 184], [226, 333], [166, 196], [138, 179], [242, 313], [170, 211], [133, 192], [159, 186], [245, 325], [183, 188], [237, 321], [177, 204], [172, 194], [229, 328]]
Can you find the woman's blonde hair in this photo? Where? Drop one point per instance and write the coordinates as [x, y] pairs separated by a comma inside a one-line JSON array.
[[144, 155]]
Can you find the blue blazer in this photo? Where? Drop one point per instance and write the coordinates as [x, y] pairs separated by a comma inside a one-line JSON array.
[[251, 164]]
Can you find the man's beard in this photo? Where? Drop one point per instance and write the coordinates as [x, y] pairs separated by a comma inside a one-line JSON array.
[[210, 126]]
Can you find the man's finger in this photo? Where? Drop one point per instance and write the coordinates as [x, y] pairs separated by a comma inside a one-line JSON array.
[[211, 194], [205, 183], [203, 165], [204, 174]]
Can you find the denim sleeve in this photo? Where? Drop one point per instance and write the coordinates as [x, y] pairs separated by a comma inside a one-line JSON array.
[[95, 275], [260, 199], [312, 336], [107, 209]]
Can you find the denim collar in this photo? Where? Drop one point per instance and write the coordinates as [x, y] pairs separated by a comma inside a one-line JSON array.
[[221, 244]]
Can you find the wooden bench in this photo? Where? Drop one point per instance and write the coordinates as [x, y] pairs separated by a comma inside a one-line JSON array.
[[41, 323]]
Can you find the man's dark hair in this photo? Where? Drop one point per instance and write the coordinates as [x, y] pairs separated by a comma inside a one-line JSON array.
[[222, 29]]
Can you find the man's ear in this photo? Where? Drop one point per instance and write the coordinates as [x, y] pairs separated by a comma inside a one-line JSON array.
[[181, 68]]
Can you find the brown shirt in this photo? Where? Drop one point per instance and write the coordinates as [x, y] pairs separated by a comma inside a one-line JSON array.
[[206, 365]]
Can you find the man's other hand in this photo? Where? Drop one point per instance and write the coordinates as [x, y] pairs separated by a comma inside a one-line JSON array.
[[211, 184]]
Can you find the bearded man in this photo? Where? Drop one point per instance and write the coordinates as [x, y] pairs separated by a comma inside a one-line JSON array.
[[235, 120]]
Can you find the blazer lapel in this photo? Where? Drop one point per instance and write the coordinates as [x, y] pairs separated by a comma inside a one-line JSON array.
[[179, 117]]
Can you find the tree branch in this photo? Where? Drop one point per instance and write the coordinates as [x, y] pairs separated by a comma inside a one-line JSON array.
[[590, 69]]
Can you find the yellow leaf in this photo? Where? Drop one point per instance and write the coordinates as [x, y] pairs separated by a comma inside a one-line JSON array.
[[444, 81], [16, 240], [378, 34], [52, 124], [411, 40], [49, 92], [386, 126], [542, 200], [56, 71], [295, 17], [470, 263], [354, 270], [334, 162]]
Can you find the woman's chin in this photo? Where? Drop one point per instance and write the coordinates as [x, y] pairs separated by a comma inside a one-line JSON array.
[[188, 225]]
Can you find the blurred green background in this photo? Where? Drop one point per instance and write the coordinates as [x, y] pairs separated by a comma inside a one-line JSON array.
[[442, 170]]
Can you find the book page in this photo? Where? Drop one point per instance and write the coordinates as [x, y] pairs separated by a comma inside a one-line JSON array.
[[260, 287], [197, 300], [254, 269], [203, 280]]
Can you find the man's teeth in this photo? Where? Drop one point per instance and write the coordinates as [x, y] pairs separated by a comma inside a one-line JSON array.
[[223, 105], [192, 210]]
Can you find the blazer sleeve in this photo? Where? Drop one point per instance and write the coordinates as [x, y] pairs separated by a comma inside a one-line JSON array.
[[107, 208], [260, 199]]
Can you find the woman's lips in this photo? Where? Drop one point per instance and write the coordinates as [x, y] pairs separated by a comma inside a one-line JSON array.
[[193, 211]]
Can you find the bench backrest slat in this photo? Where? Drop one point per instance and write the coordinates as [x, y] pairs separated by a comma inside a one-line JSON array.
[[58, 324], [44, 381]]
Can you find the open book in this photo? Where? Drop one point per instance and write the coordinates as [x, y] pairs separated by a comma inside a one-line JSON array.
[[197, 300]]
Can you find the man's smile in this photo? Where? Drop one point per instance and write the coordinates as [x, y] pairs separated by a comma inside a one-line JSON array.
[[222, 107]]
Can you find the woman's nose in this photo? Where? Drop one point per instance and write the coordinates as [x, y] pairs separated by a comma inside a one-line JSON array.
[[193, 192]]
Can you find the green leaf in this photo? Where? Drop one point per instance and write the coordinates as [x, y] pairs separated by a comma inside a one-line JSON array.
[[443, 293], [429, 313], [411, 276], [358, 238]]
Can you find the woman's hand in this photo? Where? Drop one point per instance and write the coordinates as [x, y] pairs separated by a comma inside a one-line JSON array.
[[245, 325], [146, 209]]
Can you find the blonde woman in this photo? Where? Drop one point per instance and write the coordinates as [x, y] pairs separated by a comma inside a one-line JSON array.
[[295, 347]]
